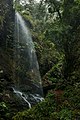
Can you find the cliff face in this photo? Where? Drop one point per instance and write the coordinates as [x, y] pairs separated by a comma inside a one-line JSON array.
[[6, 34], [6, 23]]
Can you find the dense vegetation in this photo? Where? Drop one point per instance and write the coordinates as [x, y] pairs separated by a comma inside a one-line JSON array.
[[55, 28]]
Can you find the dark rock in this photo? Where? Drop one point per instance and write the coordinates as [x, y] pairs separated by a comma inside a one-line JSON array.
[[11, 89], [1, 97], [77, 117]]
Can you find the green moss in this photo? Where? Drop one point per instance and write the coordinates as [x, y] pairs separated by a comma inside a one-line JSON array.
[[41, 111]]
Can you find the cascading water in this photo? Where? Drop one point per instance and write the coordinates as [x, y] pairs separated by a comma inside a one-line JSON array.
[[27, 76]]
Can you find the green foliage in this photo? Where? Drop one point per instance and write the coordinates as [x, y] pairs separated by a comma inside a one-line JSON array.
[[54, 75], [27, 17], [18, 7], [73, 95], [3, 109], [47, 55], [64, 114], [3, 106], [56, 34], [41, 111]]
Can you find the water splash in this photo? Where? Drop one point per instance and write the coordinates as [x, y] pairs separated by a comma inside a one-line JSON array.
[[26, 74], [37, 97], [29, 98], [22, 96]]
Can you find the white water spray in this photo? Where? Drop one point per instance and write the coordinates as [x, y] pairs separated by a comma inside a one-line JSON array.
[[22, 96]]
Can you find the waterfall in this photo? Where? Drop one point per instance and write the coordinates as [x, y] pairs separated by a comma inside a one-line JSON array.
[[26, 75], [22, 96]]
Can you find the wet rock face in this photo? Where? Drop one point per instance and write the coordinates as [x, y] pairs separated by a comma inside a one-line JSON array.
[[8, 97], [6, 38], [6, 22]]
